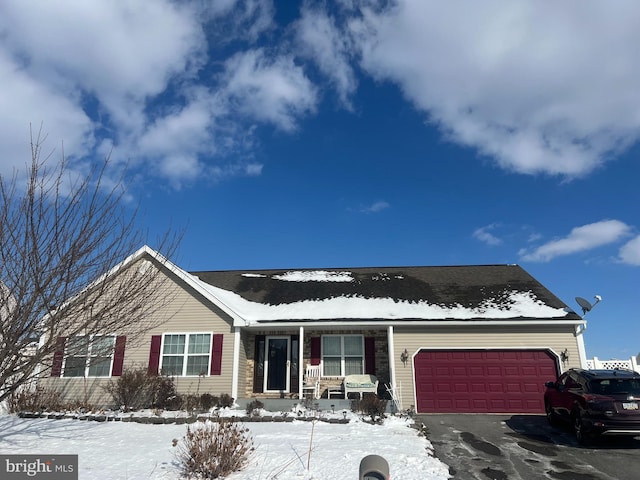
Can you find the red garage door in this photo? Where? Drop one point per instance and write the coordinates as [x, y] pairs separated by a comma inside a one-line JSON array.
[[482, 381]]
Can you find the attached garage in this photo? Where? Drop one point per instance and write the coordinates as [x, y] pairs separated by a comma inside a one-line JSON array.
[[482, 381]]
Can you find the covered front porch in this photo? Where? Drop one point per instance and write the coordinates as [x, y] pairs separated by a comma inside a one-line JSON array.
[[277, 362]]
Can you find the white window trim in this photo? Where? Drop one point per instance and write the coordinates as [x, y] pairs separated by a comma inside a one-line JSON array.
[[89, 356], [342, 356], [185, 355]]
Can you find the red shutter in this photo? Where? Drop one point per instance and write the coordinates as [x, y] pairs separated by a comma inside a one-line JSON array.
[[258, 361], [315, 351], [118, 356], [216, 354], [154, 354], [370, 355], [58, 357]]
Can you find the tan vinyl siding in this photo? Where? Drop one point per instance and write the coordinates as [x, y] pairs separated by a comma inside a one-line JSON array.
[[80, 391], [554, 337], [188, 312]]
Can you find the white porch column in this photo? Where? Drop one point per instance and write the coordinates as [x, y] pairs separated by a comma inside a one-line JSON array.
[[392, 357], [301, 365], [236, 363]]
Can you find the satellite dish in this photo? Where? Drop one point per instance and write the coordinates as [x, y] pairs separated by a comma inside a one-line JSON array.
[[586, 304]]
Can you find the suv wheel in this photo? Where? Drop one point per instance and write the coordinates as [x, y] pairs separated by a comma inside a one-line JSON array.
[[551, 417], [582, 436]]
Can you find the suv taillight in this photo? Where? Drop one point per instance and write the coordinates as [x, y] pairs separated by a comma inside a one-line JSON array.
[[600, 405]]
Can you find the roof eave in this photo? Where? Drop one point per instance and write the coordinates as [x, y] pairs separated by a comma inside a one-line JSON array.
[[519, 321]]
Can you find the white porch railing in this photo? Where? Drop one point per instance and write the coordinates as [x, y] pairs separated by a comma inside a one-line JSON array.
[[630, 364]]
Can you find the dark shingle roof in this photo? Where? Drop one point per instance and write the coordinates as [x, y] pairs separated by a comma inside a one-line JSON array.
[[466, 286]]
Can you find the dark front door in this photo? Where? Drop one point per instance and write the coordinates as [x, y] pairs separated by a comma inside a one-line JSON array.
[[277, 364]]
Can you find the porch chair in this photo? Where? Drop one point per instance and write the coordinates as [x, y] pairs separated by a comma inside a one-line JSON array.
[[311, 382]]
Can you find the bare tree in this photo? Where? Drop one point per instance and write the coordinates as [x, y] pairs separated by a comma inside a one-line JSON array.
[[63, 238]]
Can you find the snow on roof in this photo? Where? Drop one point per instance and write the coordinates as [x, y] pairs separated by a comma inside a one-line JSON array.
[[314, 276], [512, 304]]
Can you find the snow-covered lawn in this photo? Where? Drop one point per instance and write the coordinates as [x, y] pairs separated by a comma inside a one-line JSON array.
[[119, 450]]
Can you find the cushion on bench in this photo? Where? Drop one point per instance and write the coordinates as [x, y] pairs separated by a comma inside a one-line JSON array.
[[357, 383]]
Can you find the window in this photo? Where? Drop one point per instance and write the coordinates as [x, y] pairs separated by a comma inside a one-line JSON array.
[[342, 355], [89, 356], [186, 354]]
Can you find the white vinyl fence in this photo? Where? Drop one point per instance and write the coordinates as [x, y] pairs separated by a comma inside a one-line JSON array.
[[630, 364]]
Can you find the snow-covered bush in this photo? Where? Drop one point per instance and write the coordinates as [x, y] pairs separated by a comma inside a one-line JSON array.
[[226, 400], [371, 405], [214, 449], [254, 407]]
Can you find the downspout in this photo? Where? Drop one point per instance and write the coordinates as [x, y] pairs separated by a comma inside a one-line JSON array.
[[236, 363]]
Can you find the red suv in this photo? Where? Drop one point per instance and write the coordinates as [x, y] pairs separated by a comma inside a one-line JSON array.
[[595, 402]]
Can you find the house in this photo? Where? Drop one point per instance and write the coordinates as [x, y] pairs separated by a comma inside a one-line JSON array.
[[444, 338]]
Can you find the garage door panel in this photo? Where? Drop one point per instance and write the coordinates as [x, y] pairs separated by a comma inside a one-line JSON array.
[[478, 388], [495, 387], [461, 388], [445, 404], [476, 381], [547, 371], [513, 388], [513, 371], [443, 388]]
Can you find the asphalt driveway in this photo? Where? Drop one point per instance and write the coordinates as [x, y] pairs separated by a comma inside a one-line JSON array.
[[525, 447]]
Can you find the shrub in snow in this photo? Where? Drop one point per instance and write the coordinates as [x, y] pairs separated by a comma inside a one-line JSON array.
[[214, 449], [371, 405], [132, 390], [203, 402], [136, 389], [226, 400], [164, 393], [253, 407], [190, 402], [208, 401], [34, 400]]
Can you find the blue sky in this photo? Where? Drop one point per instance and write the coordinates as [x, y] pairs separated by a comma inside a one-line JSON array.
[[354, 132]]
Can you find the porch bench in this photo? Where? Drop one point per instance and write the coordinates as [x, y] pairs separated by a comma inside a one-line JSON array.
[[360, 384]]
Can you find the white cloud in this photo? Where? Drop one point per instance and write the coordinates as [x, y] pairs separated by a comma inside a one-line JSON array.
[[376, 207], [221, 172], [580, 239], [484, 235], [23, 102], [630, 252], [125, 79], [119, 52], [539, 87], [253, 169], [269, 89], [321, 40]]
